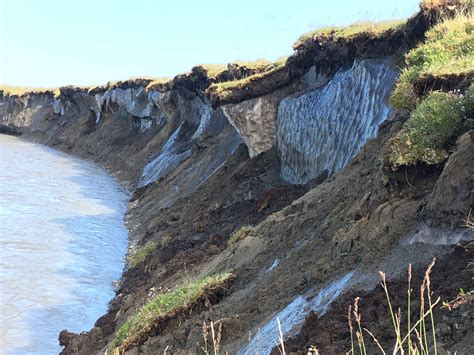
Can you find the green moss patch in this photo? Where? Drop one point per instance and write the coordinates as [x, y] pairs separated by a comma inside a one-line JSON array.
[[165, 306], [141, 253]]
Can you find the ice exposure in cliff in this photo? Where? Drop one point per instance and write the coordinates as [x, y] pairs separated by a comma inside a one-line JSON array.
[[321, 130]]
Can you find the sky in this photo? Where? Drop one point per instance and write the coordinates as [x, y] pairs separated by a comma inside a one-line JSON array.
[[50, 43]]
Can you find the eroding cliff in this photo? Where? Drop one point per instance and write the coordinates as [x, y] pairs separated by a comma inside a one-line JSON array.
[[276, 176]]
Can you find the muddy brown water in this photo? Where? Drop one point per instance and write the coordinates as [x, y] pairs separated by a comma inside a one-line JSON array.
[[62, 244]]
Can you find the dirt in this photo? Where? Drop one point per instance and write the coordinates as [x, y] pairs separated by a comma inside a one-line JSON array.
[[353, 220], [445, 83], [195, 228], [330, 332]]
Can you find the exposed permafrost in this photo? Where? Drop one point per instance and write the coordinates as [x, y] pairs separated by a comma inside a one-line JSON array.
[[321, 130], [440, 236], [200, 145], [167, 160], [292, 317]]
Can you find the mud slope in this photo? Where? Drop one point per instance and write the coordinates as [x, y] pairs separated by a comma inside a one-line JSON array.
[[280, 181]]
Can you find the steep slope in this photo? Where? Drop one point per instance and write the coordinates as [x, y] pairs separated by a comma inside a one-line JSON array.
[[304, 211]]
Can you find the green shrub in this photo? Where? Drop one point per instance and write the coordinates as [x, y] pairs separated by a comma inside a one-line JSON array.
[[430, 127], [240, 234], [141, 253], [435, 120], [166, 305]]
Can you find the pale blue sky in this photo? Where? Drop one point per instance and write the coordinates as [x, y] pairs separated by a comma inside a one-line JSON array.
[[84, 42]]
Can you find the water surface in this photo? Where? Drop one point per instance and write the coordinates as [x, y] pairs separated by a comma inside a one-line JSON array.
[[62, 244]]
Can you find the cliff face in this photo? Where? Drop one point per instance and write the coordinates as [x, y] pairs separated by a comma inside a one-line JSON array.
[[296, 157]]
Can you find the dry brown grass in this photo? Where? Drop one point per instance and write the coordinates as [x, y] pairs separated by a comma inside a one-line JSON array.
[[22, 90]]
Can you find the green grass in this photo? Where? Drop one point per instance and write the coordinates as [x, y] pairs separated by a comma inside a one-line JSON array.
[[141, 253], [239, 234], [166, 305], [372, 28], [430, 127], [448, 50]]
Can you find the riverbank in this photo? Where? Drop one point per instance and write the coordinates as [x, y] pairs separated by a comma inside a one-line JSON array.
[[231, 173], [62, 241]]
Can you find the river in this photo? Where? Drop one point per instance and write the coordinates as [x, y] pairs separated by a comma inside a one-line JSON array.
[[62, 244]]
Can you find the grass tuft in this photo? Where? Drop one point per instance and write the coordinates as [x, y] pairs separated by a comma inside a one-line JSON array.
[[141, 253], [403, 342], [428, 130], [371, 28], [166, 305]]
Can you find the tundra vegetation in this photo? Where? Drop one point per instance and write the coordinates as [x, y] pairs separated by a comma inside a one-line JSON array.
[[165, 306], [335, 32], [435, 117]]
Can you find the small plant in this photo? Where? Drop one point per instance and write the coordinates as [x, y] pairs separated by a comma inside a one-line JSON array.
[[141, 253], [430, 127], [164, 306], [240, 234], [462, 298], [216, 337], [435, 120]]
